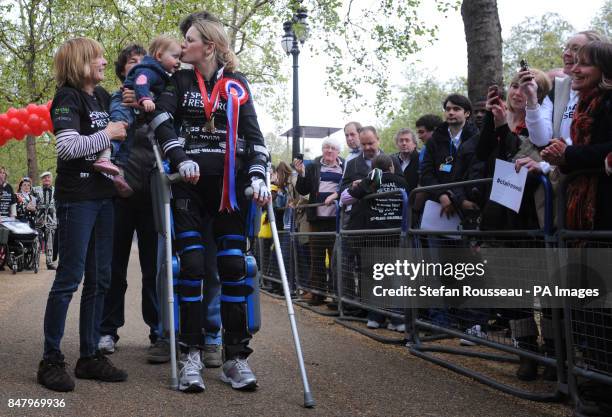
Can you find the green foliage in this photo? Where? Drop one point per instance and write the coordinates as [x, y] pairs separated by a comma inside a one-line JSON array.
[[359, 43], [539, 40], [603, 21], [420, 96]]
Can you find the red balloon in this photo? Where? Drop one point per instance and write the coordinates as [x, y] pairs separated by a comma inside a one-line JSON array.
[[38, 131], [34, 122], [45, 126], [31, 108], [20, 133], [4, 120], [49, 104], [12, 112], [14, 124], [42, 111], [22, 114], [8, 134]]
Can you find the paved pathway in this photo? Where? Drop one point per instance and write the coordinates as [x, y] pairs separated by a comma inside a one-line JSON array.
[[350, 374]]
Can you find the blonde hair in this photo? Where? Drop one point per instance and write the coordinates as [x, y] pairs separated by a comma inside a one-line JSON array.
[[542, 80], [72, 61], [211, 31], [160, 44]]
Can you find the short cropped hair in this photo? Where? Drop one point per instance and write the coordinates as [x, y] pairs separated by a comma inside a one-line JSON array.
[[460, 100], [124, 56], [368, 129], [72, 61], [404, 131], [356, 124], [429, 121], [593, 35], [333, 142]]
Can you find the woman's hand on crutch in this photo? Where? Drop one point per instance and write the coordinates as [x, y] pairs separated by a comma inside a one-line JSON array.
[[261, 193]]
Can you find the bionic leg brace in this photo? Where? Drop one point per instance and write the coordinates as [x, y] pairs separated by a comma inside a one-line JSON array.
[[188, 285], [239, 282]]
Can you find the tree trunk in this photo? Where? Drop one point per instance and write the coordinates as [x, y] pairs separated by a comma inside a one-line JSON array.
[[484, 46], [32, 158], [30, 64]]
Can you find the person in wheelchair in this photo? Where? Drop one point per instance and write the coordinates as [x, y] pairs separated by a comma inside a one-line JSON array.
[[26, 202]]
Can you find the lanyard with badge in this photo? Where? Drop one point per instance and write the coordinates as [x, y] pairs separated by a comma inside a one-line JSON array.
[[447, 165]]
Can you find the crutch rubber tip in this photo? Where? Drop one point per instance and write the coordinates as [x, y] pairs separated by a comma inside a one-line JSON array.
[[308, 400]]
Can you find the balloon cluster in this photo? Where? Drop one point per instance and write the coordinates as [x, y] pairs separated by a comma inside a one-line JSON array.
[[31, 120]]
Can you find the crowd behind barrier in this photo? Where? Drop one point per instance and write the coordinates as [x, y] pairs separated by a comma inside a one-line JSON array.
[[570, 342]]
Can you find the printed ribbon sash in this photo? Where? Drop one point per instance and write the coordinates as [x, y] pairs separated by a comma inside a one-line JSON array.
[[235, 94]]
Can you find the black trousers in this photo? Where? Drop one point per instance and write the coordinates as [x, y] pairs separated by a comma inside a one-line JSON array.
[[132, 214], [192, 205]]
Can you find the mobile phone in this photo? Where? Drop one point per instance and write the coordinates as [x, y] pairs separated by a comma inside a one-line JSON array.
[[300, 156], [524, 65], [494, 88]]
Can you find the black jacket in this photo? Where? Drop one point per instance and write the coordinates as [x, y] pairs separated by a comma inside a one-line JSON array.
[[465, 166], [378, 213], [309, 185], [411, 173], [182, 99]]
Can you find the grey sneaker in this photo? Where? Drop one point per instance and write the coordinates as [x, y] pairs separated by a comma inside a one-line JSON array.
[[106, 344], [238, 373], [159, 352], [211, 356], [190, 375]]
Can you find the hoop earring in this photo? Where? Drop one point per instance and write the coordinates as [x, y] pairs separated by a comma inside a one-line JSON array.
[[605, 83]]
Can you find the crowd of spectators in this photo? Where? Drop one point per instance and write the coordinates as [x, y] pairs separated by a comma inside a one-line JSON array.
[[551, 125]]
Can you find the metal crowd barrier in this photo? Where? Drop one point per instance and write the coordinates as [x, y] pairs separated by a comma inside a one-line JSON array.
[[496, 325], [572, 342], [588, 330], [351, 246]]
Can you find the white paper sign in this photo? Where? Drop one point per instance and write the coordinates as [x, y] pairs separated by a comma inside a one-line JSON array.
[[432, 221], [508, 186]]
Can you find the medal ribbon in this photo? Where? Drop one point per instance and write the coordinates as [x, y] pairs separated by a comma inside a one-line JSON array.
[[210, 104], [235, 94]]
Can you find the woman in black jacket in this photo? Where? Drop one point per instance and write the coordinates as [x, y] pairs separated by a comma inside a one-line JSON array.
[[588, 202]]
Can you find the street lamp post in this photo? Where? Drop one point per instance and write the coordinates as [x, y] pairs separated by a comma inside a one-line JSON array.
[[296, 33]]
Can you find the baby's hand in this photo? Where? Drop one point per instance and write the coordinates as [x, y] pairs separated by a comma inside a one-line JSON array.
[[148, 105]]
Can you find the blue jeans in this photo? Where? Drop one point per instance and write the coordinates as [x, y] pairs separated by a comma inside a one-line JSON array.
[[85, 234]]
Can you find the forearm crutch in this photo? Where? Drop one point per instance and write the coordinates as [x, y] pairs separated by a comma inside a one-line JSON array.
[[308, 400], [164, 195]]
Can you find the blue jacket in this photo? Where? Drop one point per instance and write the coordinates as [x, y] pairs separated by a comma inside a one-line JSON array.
[[148, 79]]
